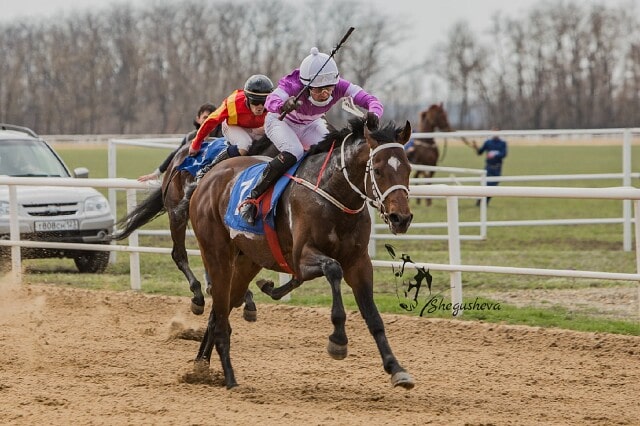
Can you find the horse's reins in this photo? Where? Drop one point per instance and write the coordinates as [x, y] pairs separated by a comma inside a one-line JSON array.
[[377, 201]]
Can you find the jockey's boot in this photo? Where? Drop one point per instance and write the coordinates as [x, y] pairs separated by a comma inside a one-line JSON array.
[[275, 168], [229, 152]]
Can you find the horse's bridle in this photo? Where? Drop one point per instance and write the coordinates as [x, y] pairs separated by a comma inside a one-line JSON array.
[[377, 201], [378, 196]]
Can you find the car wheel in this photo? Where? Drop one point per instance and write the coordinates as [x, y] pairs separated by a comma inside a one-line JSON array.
[[93, 262]]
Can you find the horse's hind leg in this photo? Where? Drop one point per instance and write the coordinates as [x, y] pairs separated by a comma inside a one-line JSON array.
[[206, 345], [418, 174], [360, 278], [429, 175], [178, 227]]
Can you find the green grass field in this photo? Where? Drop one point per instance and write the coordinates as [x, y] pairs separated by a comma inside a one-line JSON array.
[[584, 247]]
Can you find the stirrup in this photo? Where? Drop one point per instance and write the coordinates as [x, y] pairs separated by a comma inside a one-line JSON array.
[[249, 211]]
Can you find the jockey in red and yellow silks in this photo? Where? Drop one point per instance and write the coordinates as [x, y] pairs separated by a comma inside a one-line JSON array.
[[242, 116]]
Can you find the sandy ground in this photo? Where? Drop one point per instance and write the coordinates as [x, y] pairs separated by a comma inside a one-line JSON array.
[[618, 302], [74, 356]]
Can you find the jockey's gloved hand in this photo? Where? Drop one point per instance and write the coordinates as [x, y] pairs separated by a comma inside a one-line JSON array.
[[289, 105], [193, 152], [372, 120]]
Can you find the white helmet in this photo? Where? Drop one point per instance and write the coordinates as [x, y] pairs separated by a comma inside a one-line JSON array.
[[312, 64]]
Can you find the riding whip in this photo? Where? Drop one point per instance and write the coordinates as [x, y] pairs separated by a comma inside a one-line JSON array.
[[333, 52]]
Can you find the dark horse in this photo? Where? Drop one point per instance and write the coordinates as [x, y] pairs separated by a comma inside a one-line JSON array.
[[425, 151], [323, 229], [166, 198]]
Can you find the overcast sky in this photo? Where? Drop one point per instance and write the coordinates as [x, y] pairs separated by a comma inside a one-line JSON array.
[[426, 21], [429, 20]]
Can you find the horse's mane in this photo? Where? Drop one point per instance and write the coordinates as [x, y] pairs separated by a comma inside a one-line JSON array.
[[355, 126]]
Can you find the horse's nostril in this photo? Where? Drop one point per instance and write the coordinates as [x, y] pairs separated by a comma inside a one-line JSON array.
[[398, 219]]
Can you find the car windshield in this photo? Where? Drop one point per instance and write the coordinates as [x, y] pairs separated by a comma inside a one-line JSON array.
[[30, 158]]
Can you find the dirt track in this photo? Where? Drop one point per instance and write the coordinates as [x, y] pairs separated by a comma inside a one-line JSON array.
[[87, 357]]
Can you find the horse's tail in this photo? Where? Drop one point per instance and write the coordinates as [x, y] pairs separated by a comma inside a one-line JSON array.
[[145, 212], [183, 206]]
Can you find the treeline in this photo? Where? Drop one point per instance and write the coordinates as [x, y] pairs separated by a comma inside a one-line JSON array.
[[123, 69], [561, 65]]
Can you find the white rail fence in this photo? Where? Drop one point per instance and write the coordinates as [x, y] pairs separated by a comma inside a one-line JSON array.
[[378, 230], [451, 193]]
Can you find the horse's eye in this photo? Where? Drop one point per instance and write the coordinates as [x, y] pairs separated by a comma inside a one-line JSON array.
[[377, 172]]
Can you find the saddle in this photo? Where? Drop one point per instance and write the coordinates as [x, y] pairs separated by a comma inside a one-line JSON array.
[[208, 152], [267, 208]]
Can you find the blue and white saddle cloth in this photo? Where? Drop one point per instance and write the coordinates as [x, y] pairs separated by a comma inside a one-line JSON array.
[[208, 152], [243, 186]]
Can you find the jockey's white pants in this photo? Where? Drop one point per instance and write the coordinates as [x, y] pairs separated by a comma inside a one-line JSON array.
[[240, 136], [292, 137]]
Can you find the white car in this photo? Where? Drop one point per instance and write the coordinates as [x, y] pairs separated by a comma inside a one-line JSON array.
[[52, 213]]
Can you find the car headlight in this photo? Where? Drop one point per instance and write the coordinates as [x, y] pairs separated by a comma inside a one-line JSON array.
[[96, 205], [4, 208]]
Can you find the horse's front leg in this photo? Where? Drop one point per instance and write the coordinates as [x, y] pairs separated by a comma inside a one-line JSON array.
[[315, 265], [250, 311], [277, 293], [178, 228], [360, 278]]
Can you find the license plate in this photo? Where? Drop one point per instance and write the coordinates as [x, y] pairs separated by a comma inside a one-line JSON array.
[[57, 225]]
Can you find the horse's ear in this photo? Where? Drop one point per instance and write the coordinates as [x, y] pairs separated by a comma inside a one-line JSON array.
[[405, 134], [367, 136]]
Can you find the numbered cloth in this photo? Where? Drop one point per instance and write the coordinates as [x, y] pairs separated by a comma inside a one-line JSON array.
[[243, 186], [208, 152]]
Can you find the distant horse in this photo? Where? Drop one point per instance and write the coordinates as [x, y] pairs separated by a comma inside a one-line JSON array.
[[166, 198], [425, 151], [323, 229]]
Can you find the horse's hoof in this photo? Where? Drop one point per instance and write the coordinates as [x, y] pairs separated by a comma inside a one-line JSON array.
[[403, 379], [337, 351], [197, 309], [249, 315], [265, 286]]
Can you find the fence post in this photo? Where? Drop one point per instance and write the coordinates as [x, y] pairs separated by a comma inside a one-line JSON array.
[[134, 256], [111, 174], [483, 207], [454, 251], [626, 181]]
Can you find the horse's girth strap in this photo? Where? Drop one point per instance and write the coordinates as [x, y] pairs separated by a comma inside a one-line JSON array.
[[271, 235]]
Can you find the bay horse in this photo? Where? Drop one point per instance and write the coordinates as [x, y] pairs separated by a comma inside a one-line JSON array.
[[425, 151], [167, 198], [323, 229]]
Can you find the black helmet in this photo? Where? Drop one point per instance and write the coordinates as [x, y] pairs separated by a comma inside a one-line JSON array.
[[257, 87]]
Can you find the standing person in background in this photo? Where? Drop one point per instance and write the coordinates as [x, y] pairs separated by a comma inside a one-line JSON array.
[[303, 125], [204, 110], [241, 115], [496, 151]]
